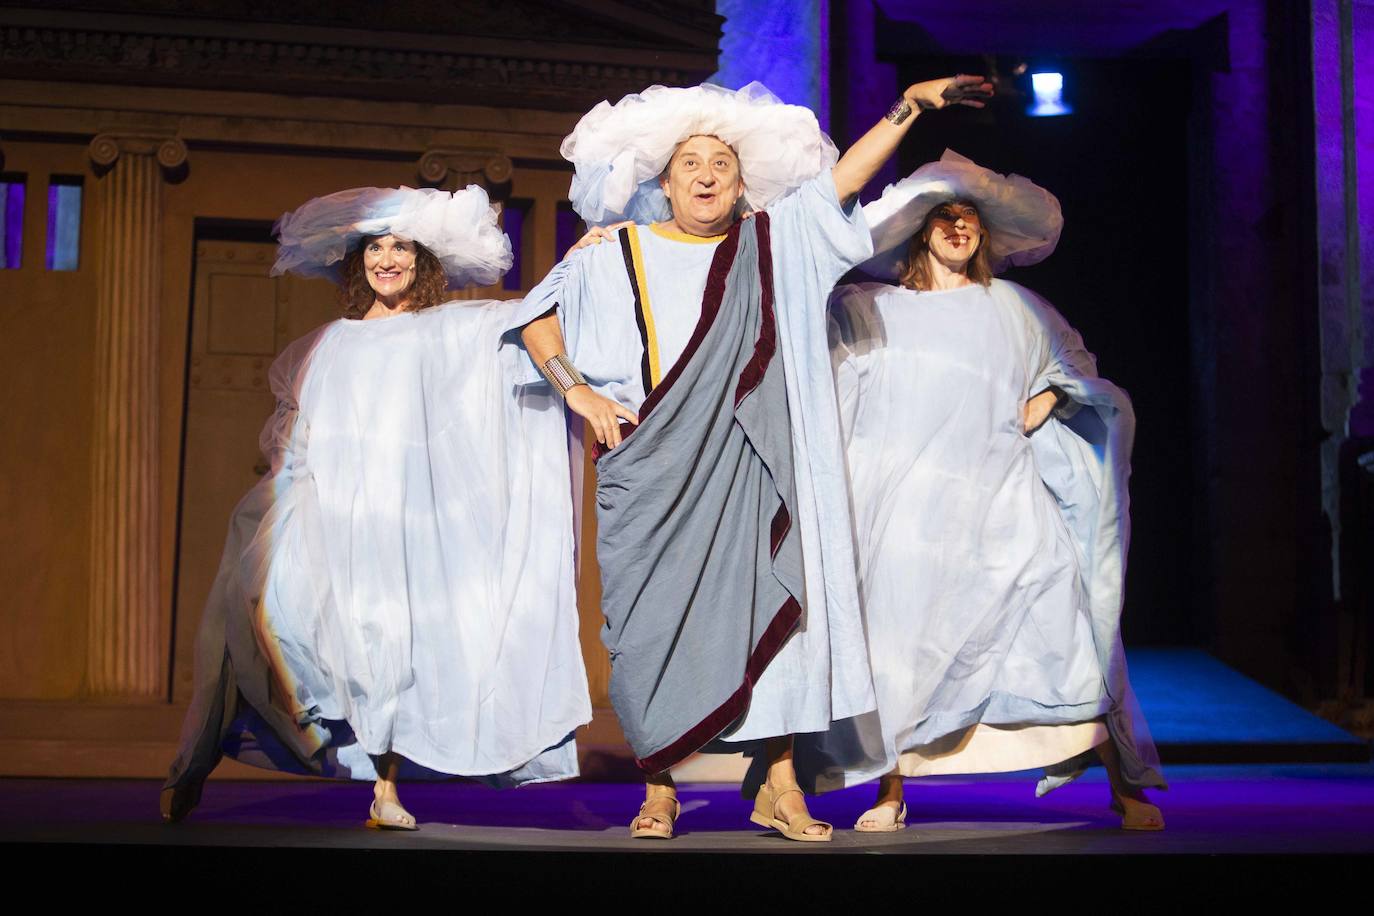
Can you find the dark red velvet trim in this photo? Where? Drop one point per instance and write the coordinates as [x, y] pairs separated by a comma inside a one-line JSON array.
[[789, 614], [626, 427], [767, 344], [698, 735], [782, 523]]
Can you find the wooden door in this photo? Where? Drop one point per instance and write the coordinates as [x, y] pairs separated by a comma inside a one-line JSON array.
[[240, 320]]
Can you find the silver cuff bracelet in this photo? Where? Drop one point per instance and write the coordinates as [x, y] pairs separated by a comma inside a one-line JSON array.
[[899, 112], [562, 374]]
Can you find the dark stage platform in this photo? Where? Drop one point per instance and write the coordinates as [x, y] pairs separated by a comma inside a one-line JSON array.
[[1226, 824]]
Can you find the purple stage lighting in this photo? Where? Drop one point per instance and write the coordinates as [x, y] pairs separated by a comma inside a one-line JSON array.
[[11, 221]]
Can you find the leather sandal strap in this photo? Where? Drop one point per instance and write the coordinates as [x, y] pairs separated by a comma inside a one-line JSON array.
[[668, 819], [805, 820]]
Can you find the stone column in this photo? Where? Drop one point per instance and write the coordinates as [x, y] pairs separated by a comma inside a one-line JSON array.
[[122, 641]]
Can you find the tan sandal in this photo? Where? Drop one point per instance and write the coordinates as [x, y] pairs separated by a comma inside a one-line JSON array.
[[388, 815], [651, 833], [1141, 816], [765, 814], [886, 819]]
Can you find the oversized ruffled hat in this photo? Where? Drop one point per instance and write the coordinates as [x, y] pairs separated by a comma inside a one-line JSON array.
[[459, 228], [1022, 219], [620, 150]]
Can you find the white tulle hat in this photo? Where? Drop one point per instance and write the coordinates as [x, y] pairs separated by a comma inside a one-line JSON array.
[[459, 228], [1022, 219], [620, 150]]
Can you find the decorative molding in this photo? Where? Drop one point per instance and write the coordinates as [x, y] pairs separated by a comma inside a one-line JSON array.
[[452, 169], [665, 24], [551, 75]]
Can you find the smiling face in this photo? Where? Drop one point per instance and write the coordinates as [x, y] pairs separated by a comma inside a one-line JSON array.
[[389, 265], [703, 183], [954, 233]]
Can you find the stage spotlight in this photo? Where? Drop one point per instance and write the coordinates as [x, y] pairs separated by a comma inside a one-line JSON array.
[[1048, 89]]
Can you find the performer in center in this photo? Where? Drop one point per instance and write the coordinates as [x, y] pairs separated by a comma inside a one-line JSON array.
[[694, 343]]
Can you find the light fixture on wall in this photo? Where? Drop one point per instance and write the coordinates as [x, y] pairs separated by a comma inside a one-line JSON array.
[[1047, 88]]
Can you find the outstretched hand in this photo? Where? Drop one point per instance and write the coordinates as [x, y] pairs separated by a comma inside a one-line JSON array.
[[602, 414], [972, 91]]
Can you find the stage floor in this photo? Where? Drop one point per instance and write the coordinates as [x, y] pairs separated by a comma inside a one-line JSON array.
[[1237, 834], [1248, 810]]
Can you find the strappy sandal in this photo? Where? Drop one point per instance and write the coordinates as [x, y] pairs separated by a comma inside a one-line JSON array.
[[388, 815], [1143, 816], [765, 814], [887, 819], [650, 833]]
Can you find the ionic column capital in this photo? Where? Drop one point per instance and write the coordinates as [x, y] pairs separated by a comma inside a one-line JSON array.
[[169, 151], [455, 168]]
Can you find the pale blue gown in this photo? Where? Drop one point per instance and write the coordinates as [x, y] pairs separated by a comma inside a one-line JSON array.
[[402, 579], [990, 562]]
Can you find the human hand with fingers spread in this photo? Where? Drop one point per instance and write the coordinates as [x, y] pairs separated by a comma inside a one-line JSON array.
[[973, 91], [862, 160]]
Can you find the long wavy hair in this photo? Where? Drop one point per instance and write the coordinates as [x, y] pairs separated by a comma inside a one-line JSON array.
[[916, 273], [357, 297]]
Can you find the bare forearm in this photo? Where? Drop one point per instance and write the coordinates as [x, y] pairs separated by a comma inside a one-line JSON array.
[[543, 338], [862, 161]]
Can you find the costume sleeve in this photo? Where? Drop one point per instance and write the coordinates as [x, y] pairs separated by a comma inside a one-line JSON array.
[[548, 294], [850, 344], [1061, 358], [590, 290], [285, 433], [846, 378], [814, 233]]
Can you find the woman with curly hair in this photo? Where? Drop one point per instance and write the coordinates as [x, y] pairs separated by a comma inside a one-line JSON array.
[[396, 596]]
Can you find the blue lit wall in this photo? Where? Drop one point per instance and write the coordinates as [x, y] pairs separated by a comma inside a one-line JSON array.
[[782, 44]]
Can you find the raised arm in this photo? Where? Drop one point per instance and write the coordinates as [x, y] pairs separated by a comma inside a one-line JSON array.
[[862, 161]]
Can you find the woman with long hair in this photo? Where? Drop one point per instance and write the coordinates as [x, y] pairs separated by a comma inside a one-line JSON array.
[[988, 464], [396, 595]]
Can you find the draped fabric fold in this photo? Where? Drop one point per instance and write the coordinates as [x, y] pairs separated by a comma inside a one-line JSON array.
[[992, 563], [702, 564], [1084, 458], [402, 579]]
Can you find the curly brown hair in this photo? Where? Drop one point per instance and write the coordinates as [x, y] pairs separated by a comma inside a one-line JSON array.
[[357, 297], [916, 272]]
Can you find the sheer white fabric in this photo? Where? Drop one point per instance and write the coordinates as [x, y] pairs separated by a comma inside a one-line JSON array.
[[1023, 220], [459, 228], [620, 150], [415, 568]]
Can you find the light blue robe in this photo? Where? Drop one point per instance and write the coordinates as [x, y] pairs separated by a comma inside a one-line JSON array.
[[991, 563], [821, 674]]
